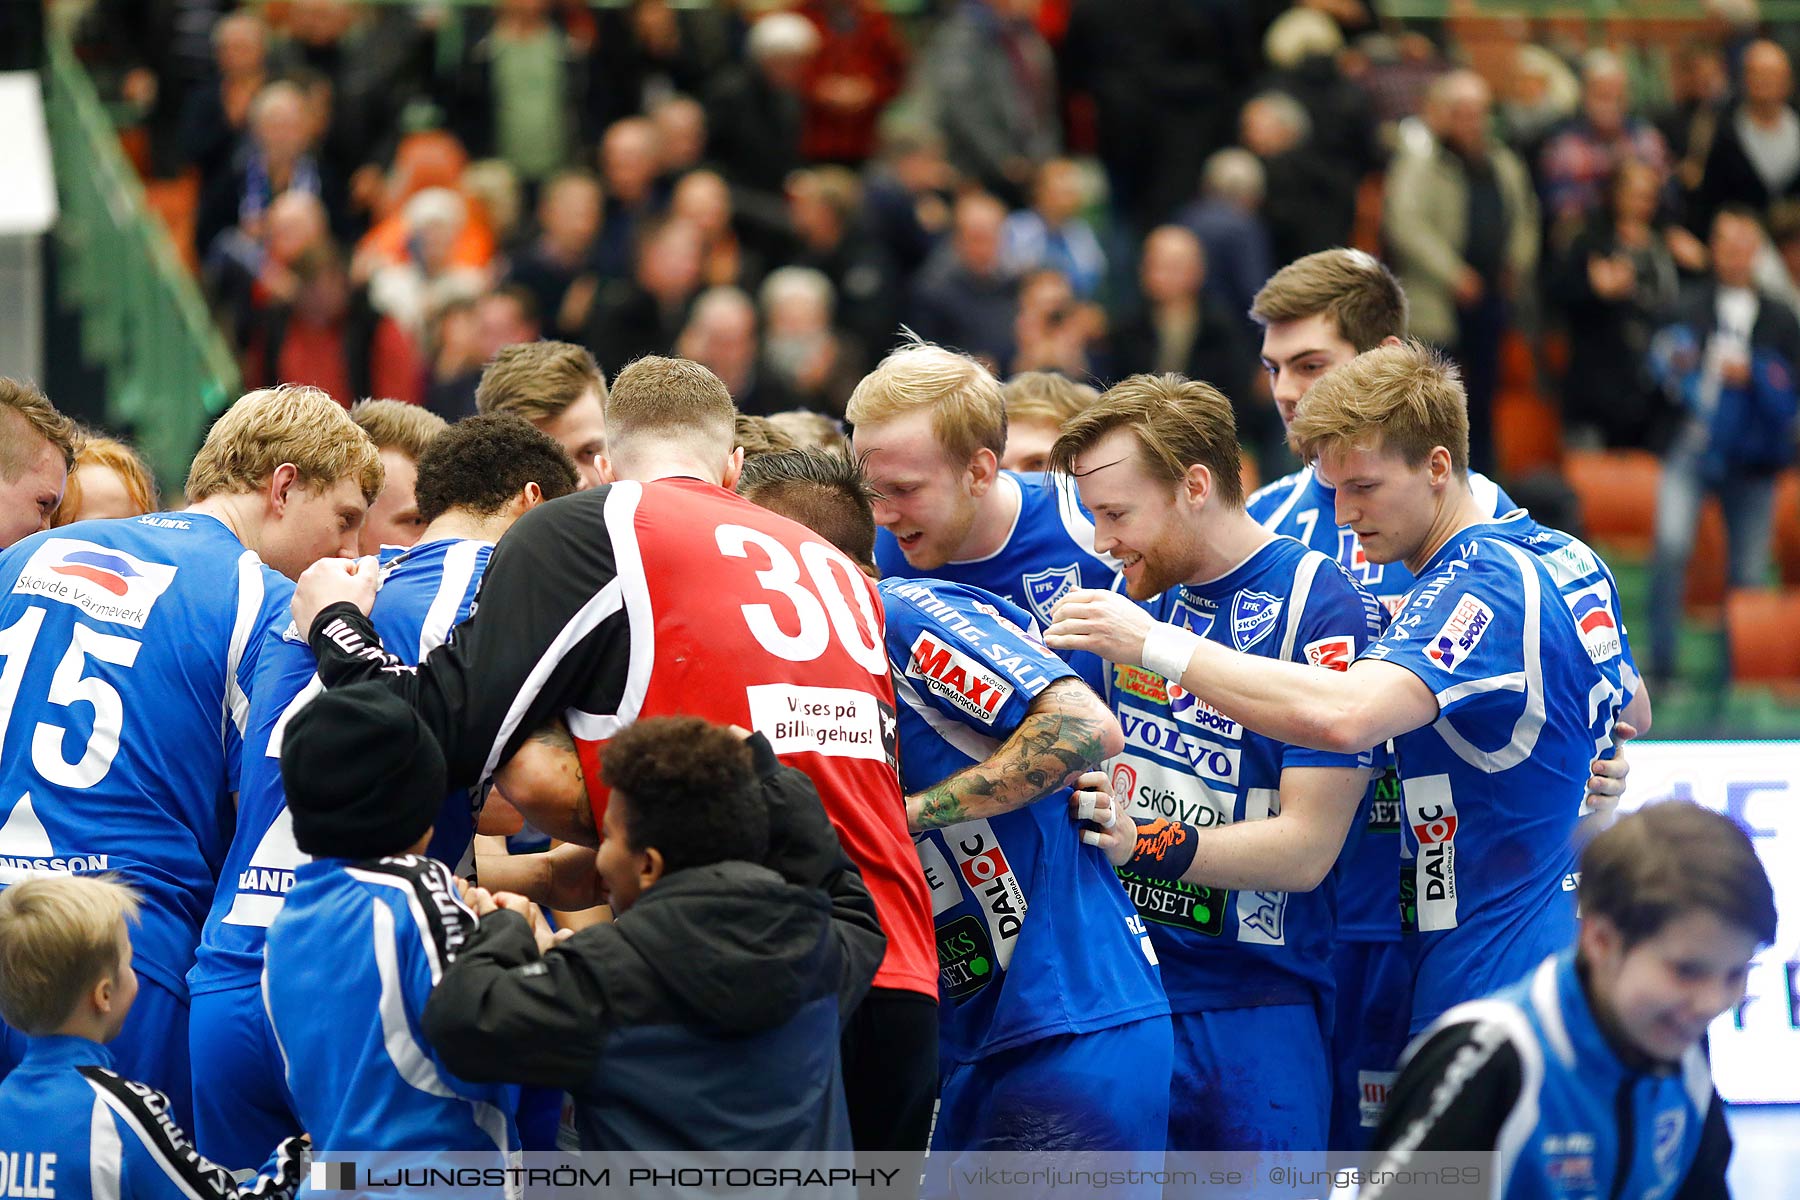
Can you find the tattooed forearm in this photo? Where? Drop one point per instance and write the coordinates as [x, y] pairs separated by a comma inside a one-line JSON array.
[[1064, 735]]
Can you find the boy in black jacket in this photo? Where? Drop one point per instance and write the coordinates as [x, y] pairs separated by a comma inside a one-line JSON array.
[[705, 1016]]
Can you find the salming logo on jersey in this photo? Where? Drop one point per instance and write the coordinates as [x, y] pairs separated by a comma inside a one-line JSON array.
[[26, 850], [958, 678], [1431, 811], [106, 584]]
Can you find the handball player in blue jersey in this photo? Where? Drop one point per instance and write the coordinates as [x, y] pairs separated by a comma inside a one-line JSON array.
[[1054, 1033], [930, 425], [1239, 830], [473, 481], [1317, 313], [129, 651], [1481, 680]]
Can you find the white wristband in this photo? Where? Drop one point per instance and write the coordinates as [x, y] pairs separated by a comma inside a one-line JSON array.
[[1168, 649]]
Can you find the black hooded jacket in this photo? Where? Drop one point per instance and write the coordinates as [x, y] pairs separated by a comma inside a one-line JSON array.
[[705, 1017]]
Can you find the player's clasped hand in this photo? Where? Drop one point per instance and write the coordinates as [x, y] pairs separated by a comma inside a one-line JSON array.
[[1103, 623], [331, 580], [1607, 783], [1104, 823]]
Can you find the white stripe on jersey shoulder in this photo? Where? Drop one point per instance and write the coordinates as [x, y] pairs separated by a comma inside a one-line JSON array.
[[1546, 999], [403, 1050], [452, 590], [1304, 574], [634, 596], [1529, 681], [1299, 479], [1486, 493], [977, 746], [404, 875], [1077, 524], [249, 607], [589, 617], [106, 1155], [302, 698]]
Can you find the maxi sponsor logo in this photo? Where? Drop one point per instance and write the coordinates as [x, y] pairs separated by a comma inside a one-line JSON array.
[[958, 678]]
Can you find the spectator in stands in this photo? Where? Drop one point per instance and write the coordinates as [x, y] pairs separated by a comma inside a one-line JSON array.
[[504, 317], [1537, 99], [559, 388], [629, 166], [1310, 203], [247, 275], [860, 67], [1181, 329], [407, 290], [648, 48], [1038, 404], [214, 117], [1615, 284], [401, 433], [456, 360], [823, 208], [308, 337], [1401, 69], [1163, 79], [109, 480], [992, 81], [1462, 226], [564, 253], [908, 194], [756, 113], [1227, 220], [277, 157], [644, 314], [1302, 48], [1053, 234], [680, 135], [1755, 155], [964, 297], [703, 199], [37, 452], [1728, 358], [1577, 163], [521, 94], [817, 365], [1054, 329], [1700, 89], [721, 335]]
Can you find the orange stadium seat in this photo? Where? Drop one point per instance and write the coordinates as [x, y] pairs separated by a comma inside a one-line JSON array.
[[1761, 623], [1527, 433], [1706, 571], [1617, 489], [1787, 528]]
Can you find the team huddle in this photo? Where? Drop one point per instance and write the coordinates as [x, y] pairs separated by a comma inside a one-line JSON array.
[[1101, 807]]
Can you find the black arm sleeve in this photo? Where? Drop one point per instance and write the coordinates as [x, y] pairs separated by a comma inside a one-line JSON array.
[[804, 850], [1706, 1176], [503, 1014], [549, 633], [1454, 1094]]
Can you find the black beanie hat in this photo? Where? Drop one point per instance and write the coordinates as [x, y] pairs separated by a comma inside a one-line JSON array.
[[364, 777]]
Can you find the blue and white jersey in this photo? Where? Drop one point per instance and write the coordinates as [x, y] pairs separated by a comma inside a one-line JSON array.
[[1048, 554], [1185, 761], [1492, 789], [1299, 506], [425, 592], [350, 962], [127, 653], [71, 1128], [1587, 586], [1035, 936]]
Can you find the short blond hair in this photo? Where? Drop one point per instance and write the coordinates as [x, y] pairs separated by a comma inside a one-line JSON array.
[[967, 412], [293, 424], [1407, 399], [1045, 396], [757, 436], [811, 430], [1177, 422], [538, 380], [670, 399], [59, 936], [1362, 297], [35, 409], [397, 425], [96, 450]]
